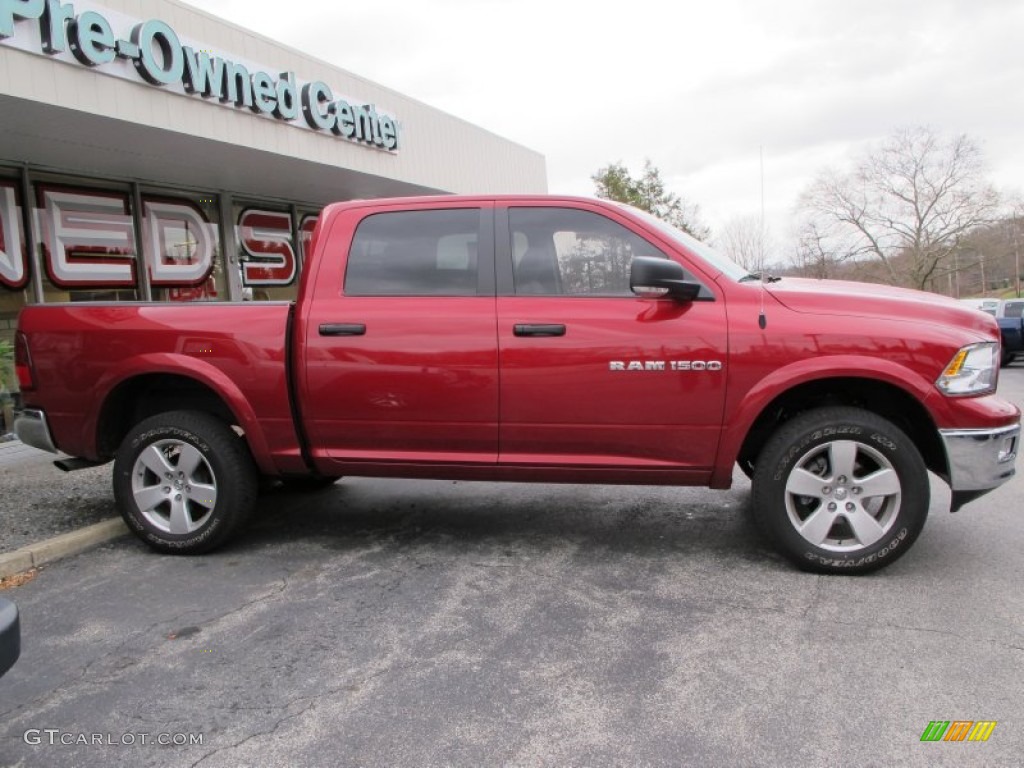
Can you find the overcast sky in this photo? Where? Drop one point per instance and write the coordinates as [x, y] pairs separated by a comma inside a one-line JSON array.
[[697, 87]]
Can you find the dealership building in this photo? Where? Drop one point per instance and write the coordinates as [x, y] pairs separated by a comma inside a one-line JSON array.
[[152, 152]]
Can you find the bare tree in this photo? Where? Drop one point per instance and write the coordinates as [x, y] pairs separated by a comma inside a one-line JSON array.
[[1015, 239], [745, 240], [990, 257], [818, 250], [907, 203]]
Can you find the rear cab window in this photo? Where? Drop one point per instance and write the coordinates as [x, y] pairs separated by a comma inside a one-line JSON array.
[[417, 253]]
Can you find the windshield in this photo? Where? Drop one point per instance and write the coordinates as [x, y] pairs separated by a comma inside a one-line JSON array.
[[718, 260]]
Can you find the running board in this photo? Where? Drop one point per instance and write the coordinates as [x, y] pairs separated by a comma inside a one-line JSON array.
[[71, 464]]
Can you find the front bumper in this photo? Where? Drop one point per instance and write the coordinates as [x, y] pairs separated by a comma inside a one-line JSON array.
[[979, 460], [31, 427]]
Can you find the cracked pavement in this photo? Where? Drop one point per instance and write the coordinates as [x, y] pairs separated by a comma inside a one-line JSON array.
[[460, 624]]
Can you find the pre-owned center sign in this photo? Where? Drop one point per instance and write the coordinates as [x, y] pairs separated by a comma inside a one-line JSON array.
[[161, 58]]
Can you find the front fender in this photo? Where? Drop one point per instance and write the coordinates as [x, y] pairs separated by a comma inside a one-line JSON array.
[[757, 398]]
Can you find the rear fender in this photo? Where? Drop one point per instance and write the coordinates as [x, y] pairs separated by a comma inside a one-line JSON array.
[[188, 367]]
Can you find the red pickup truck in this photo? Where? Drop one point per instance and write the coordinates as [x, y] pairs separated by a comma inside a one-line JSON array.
[[536, 339]]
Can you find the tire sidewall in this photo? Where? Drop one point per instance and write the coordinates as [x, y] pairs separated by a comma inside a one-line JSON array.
[[793, 442]]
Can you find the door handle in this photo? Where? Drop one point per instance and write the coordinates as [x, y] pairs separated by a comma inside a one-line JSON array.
[[538, 329], [342, 329]]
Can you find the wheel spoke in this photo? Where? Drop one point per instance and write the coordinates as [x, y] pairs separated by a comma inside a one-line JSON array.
[[205, 495], [843, 457], [816, 527], [884, 482], [189, 460], [181, 523], [149, 497], [865, 527], [804, 483], [154, 460]]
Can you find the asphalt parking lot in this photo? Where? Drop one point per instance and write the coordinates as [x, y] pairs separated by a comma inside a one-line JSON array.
[[464, 624]]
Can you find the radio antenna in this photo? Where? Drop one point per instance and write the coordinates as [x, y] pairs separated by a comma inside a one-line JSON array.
[[762, 320]]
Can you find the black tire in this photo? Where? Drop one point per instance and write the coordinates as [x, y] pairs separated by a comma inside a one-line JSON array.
[[840, 526], [1005, 358], [195, 452]]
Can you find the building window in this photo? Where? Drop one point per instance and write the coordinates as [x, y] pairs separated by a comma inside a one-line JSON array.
[[14, 293], [267, 256], [90, 235], [87, 237], [307, 223], [14, 267], [181, 241]]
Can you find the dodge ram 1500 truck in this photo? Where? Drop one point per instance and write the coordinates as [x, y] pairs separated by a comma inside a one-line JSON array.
[[538, 339]]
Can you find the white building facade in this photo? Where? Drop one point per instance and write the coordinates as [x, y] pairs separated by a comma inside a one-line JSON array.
[[152, 152]]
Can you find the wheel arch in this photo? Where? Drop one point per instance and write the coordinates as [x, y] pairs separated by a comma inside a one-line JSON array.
[[881, 396], [137, 397]]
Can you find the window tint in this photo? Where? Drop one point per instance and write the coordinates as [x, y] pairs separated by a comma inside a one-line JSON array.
[[1013, 309], [565, 251], [415, 253]]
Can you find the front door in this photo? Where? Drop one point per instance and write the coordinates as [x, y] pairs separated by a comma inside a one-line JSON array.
[[591, 375]]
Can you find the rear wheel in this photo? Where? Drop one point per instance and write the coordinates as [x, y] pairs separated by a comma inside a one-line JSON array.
[[184, 482], [840, 490]]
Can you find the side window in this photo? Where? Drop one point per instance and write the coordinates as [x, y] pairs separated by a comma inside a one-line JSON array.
[[562, 251], [415, 253]]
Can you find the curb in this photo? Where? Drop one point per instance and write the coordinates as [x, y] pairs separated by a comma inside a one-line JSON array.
[[65, 545]]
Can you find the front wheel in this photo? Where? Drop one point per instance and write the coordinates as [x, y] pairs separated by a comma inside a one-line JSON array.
[[840, 490], [184, 482]]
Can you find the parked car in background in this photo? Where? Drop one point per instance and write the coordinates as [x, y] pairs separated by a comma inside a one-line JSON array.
[[1010, 316], [990, 306], [10, 635], [1011, 308]]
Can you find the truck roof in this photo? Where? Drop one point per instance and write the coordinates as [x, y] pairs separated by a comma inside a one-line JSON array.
[[434, 199]]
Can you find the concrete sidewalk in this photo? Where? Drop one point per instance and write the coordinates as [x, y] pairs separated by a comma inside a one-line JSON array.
[[41, 507]]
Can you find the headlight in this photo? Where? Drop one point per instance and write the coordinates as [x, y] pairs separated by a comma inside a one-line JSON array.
[[972, 371]]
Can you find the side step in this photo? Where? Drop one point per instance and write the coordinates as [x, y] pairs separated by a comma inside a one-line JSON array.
[[71, 464]]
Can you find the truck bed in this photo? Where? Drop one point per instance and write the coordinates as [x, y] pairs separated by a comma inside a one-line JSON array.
[[83, 352]]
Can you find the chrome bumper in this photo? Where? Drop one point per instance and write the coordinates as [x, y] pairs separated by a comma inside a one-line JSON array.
[[31, 428], [980, 460]]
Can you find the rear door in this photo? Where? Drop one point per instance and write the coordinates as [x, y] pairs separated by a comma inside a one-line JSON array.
[[591, 375], [400, 347]]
